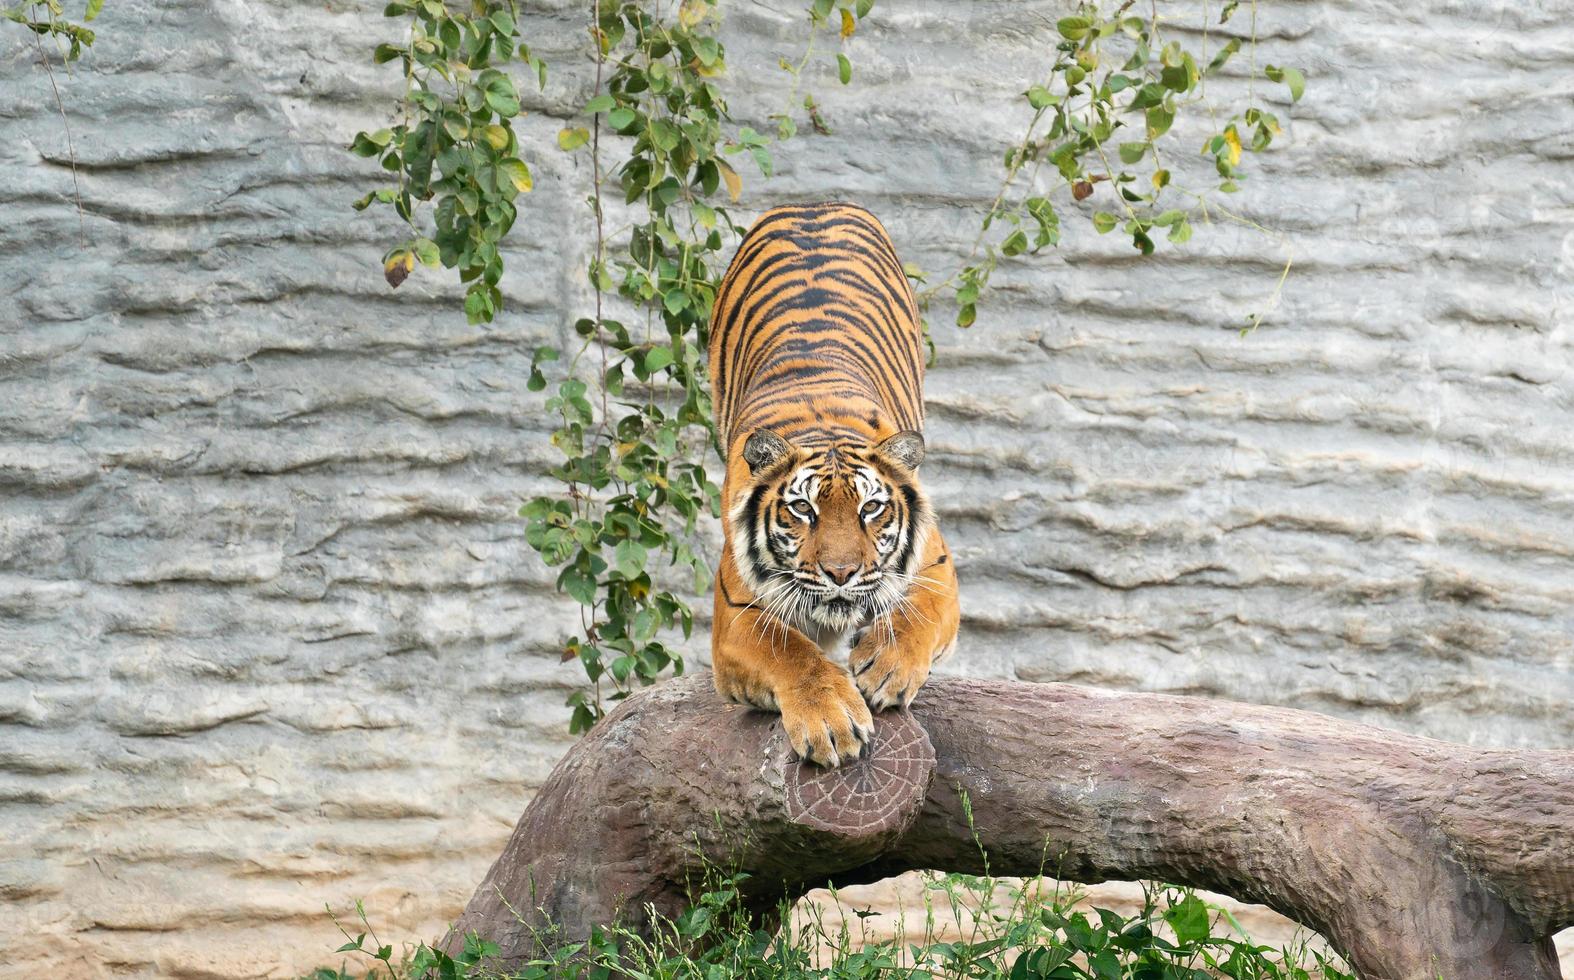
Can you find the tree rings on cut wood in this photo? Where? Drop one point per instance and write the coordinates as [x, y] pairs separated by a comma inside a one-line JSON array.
[[878, 793]]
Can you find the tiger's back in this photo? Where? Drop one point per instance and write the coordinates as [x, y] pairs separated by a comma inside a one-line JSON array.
[[816, 334]]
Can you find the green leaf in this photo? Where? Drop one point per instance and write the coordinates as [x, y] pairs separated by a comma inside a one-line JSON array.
[[1073, 28], [426, 250], [844, 69], [370, 144], [1149, 95], [580, 585], [1015, 243], [657, 358], [629, 557], [665, 135], [1106, 966], [1039, 97], [500, 95], [1159, 121], [1289, 76], [1132, 152], [1189, 919], [601, 103], [1103, 221], [93, 7], [1224, 55]]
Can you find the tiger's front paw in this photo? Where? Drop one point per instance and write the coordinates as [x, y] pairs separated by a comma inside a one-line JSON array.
[[826, 720], [888, 674]]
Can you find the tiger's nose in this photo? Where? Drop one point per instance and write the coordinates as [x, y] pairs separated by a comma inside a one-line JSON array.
[[839, 574]]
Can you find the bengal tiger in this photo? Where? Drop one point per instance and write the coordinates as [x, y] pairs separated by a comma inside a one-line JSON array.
[[816, 361]]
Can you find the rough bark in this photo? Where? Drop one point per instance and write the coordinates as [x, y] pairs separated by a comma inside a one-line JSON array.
[[1417, 858]]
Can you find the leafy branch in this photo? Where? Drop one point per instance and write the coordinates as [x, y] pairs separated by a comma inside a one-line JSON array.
[[1116, 75], [46, 18], [455, 143]]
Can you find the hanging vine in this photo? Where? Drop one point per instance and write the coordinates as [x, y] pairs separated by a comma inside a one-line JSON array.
[[1113, 92]]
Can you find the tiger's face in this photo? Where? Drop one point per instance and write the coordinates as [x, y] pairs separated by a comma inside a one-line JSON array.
[[828, 537]]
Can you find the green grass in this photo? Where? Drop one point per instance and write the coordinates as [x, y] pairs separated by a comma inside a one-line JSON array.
[[978, 928]]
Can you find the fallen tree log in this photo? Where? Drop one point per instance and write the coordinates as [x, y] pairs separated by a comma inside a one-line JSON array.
[[1416, 858]]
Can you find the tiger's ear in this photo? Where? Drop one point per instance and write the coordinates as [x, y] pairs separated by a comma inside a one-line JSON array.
[[764, 450], [905, 449]]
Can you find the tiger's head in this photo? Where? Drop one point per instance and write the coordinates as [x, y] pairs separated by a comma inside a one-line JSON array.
[[829, 536]]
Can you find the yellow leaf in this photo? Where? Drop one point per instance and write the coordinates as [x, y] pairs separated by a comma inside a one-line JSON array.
[[848, 24], [518, 174], [497, 136], [692, 12], [1234, 142], [730, 176]]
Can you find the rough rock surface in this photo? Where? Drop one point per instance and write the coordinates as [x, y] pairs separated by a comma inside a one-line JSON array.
[[270, 636]]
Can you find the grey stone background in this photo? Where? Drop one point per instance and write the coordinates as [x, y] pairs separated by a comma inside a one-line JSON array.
[[269, 633]]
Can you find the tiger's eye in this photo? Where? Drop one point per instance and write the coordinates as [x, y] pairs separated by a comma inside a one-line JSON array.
[[801, 508], [871, 508]]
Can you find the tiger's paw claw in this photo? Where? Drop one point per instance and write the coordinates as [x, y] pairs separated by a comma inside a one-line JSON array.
[[827, 722], [888, 678]]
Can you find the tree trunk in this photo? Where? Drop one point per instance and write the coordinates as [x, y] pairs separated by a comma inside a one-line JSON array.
[[1416, 858]]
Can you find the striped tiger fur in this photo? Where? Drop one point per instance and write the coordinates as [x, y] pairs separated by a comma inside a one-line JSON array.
[[816, 365]]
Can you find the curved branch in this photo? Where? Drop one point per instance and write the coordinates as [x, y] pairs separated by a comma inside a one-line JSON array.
[[1415, 857]]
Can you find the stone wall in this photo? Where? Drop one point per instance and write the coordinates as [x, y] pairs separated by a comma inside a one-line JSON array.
[[269, 633]]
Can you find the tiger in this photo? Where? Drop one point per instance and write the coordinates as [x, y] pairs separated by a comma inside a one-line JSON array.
[[816, 359]]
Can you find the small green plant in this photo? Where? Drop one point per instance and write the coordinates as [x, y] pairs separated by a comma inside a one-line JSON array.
[[970, 932]]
